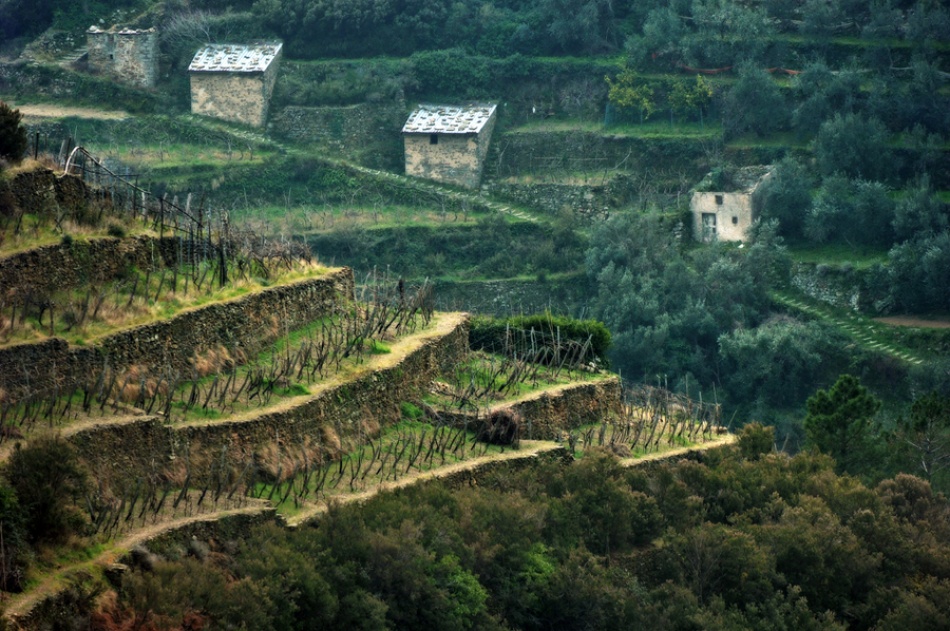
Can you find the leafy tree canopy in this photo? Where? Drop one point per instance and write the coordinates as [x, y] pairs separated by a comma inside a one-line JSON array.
[[838, 421], [13, 141]]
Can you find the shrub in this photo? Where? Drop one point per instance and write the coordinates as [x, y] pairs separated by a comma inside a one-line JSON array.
[[489, 333], [13, 141], [49, 482]]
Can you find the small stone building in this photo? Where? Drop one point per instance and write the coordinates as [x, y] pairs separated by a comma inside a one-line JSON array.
[[448, 143], [234, 82], [129, 55], [725, 204]]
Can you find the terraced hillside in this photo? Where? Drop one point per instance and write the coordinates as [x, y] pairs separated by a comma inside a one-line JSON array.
[[197, 377]]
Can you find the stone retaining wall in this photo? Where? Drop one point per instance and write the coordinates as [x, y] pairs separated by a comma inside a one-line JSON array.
[[246, 324], [547, 415], [66, 266], [841, 286], [365, 132], [331, 420], [542, 152], [553, 198]]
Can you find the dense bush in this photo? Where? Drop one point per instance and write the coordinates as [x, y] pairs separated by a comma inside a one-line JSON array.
[[743, 538], [13, 141], [490, 333], [667, 308], [49, 483]]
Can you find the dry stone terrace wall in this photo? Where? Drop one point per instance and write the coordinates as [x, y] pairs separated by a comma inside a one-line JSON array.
[[545, 415], [553, 198], [63, 266], [537, 153], [335, 417], [840, 286], [247, 324], [42, 191], [347, 129]]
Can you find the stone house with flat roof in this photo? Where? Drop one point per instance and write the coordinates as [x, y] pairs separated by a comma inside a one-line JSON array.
[[129, 55], [725, 204], [234, 82], [449, 143]]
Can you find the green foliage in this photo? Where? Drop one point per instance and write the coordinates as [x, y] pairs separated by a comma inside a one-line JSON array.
[[685, 98], [854, 146], [918, 273], [777, 364], [13, 142], [920, 213], [926, 434], [786, 197], [756, 440], [820, 93], [49, 483], [838, 422], [741, 538], [376, 27], [754, 104], [856, 212], [626, 93], [27, 18], [16, 553], [410, 411], [486, 333], [666, 309]]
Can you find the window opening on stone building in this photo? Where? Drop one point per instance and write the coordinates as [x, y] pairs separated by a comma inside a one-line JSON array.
[[735, 220], [718, 200], [433, 139]]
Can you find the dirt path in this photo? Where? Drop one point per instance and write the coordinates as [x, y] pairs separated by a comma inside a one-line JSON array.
[[923, 323], [528, 449], [21, 605], [442, 324], [725, 439], [49, 110]]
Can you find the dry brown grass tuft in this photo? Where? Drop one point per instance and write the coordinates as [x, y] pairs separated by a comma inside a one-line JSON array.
[[134, 382], [212, 360], [369, 424], [29, 164], [176, 473], [273, 464], [331, 440]]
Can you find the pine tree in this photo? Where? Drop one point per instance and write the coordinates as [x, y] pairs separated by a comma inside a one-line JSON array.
[[13, 141]]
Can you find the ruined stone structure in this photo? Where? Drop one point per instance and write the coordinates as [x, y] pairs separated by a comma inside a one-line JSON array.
[[234, 82], [129, 55], [725, 205], [448, 143]]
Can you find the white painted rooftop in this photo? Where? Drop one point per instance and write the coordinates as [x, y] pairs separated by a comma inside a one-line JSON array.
[[93, 30], [234, 58], [449, 119]]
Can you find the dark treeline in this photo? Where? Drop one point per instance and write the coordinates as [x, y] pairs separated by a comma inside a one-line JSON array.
[[744, 539], [704, 31], [711, 32]]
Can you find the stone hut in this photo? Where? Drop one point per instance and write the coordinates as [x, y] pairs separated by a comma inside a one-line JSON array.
[[234, 82], [725, 204], [129, 55], [448, 143]]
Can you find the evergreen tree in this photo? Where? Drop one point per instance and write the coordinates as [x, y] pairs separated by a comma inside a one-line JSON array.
[[12, 134], [838, 421]]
